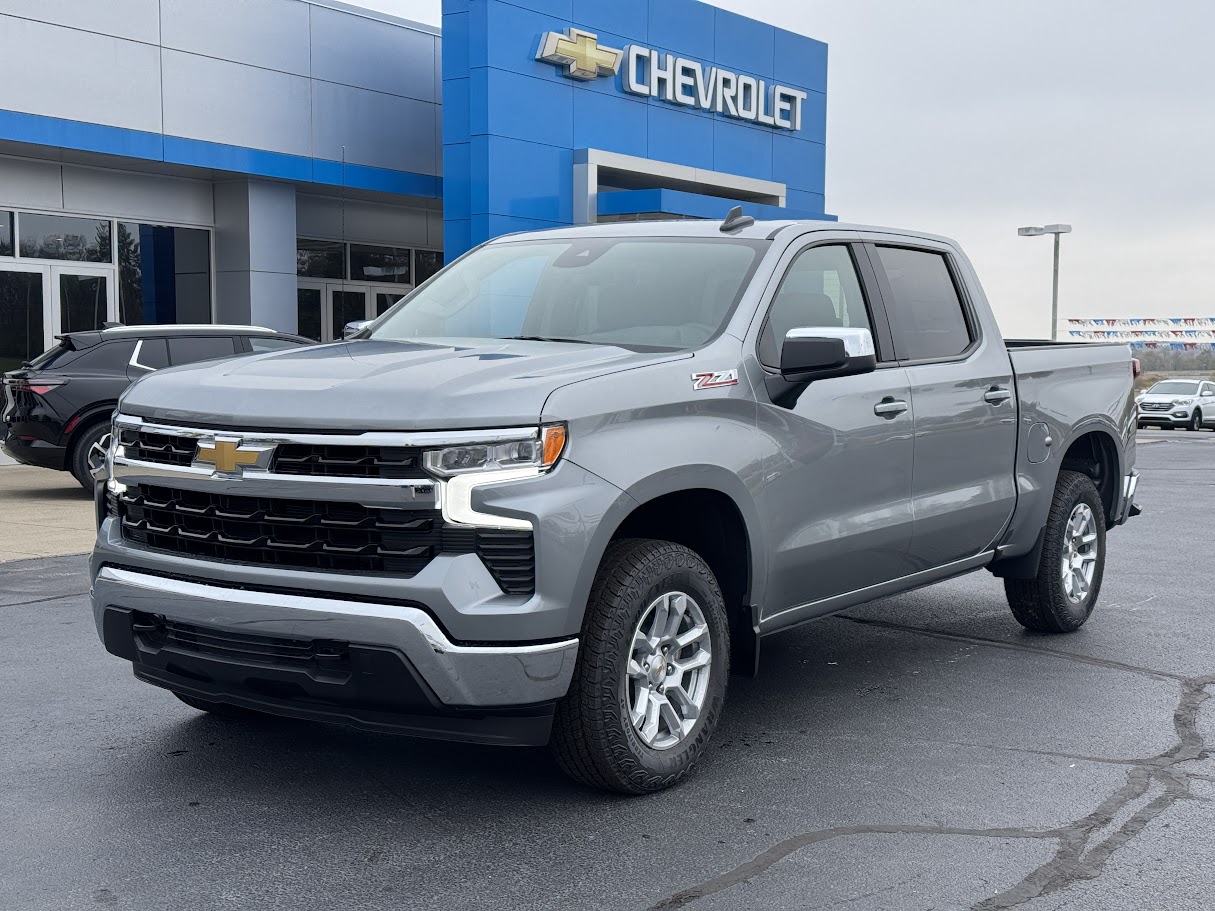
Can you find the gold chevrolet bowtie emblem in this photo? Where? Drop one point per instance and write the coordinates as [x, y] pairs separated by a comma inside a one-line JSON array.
[[580, 53], [226, 456]]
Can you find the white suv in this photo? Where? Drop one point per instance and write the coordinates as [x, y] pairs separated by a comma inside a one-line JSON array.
[[1178, 403]]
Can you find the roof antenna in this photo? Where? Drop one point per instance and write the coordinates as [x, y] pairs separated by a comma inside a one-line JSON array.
[[736, 221]]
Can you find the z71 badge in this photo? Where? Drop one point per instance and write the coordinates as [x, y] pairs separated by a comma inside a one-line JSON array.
[[714, 380]]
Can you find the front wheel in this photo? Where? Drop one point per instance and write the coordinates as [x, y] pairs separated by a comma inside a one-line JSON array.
[[1062, 595], [652, 669], [1196, 420]]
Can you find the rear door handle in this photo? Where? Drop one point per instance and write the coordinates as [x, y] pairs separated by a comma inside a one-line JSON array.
[[996, 396], [889, 408]]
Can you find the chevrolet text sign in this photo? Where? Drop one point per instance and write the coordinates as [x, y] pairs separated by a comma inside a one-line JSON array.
[[675, 79]]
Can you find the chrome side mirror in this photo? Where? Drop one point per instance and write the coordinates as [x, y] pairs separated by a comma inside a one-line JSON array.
[[354, 327]]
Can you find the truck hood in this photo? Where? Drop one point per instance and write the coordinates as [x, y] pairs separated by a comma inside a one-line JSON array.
[[379, 385]]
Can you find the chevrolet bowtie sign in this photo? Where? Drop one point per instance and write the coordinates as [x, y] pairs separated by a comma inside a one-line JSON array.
[[675, 79]]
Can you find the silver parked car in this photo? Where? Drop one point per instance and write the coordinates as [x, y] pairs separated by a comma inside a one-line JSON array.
[[1188, 403]]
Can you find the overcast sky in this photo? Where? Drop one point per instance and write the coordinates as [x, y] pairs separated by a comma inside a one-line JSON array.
[[971, 119]]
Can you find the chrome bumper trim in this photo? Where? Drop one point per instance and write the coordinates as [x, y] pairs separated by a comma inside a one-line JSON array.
[[460, 675]]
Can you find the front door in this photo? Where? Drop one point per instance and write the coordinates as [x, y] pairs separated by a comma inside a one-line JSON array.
[[82, 298], [836, 495], [25, 314], [962, 392]]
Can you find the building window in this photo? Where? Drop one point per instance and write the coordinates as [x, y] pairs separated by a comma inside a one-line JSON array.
[[164, 274], [66, 237], [379, 264], [320, 258], [426, 264], [6, 233]]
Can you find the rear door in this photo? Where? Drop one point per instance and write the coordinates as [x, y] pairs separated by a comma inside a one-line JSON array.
[[962, 392], [837, 496]]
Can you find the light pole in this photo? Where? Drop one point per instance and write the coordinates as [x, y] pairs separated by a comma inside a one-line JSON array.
[[1054, 294]]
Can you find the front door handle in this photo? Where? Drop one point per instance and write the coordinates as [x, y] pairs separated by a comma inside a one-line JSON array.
[[996, 396], [889, 408]]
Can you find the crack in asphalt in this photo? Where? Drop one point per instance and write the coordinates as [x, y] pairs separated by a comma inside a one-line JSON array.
[[44, 600], [1017, 647], [1078, 856]]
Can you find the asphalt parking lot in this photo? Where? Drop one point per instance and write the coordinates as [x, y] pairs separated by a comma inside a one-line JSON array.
[[922, 752]]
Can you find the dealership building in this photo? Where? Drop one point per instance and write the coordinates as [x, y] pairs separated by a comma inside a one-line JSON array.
[[301, 163]]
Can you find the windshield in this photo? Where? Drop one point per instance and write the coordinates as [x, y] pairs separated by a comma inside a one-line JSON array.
[[1174, 387], [666, 293]]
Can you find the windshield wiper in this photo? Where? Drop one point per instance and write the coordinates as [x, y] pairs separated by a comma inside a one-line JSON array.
[[545, 338]]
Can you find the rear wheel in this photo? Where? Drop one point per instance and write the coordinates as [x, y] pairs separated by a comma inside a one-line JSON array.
[[652, 669], [1062, 595], [83, 457], [222, 709]]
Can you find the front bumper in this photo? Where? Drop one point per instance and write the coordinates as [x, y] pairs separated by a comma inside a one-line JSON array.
[[1174, 417], [431, 685]]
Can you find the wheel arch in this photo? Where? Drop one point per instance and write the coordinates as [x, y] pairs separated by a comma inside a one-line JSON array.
[[708, 510], [1093, 449]]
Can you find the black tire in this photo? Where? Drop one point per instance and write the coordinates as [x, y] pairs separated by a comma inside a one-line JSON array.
[[593, 739], [1196, 420], [1042, 603], [78, 459], [222, 709]]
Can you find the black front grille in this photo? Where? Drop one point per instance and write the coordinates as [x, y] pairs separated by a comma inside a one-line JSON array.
[[348, 461], [159, 448], [322, 656], [316, 535]]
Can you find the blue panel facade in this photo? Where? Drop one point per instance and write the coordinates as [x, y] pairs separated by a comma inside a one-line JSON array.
[[511, 122]]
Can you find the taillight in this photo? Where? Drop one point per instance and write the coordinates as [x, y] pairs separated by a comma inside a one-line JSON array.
[[1136, 368], [38, 387]]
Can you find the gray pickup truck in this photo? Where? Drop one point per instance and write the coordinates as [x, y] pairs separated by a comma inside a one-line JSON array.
[[566, 487]]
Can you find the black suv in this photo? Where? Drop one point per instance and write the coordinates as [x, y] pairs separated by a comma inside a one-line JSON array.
[[58, 405]]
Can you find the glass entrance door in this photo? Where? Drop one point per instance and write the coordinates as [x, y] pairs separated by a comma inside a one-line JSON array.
[[83, 298], [25, 314], [324, 308]]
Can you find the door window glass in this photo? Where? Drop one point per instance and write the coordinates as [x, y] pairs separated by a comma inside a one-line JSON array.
[[21, 316], [820, 290], [164, 274], [6, 233], [320, 258], [348, 306], [265, 343], [926, 315], [187, 349], [85, 240], [83, 303], [308, 312], [153, 354], [379, 264]]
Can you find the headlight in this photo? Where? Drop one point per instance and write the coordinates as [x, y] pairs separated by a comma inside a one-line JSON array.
[[1183, 401], [541, 453]]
